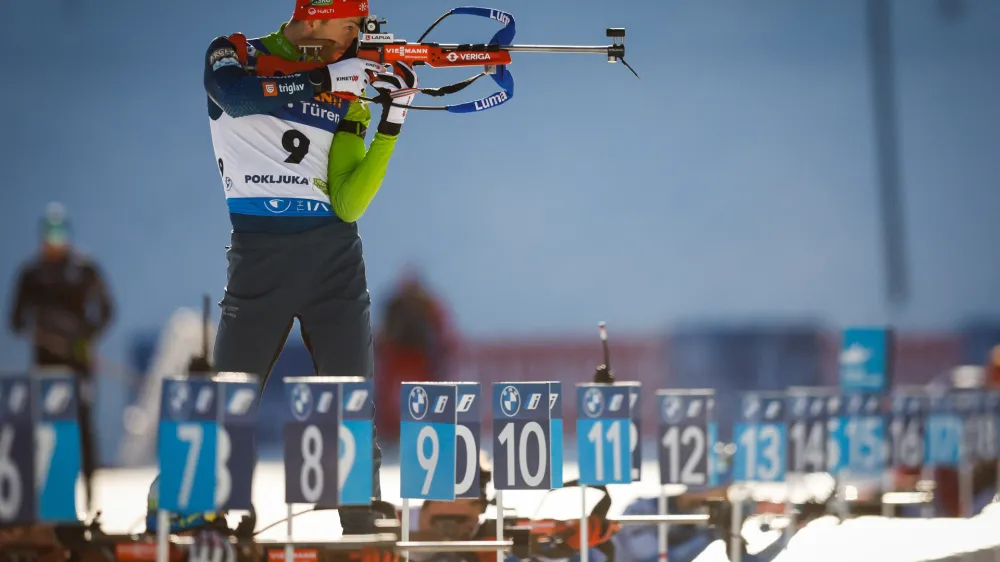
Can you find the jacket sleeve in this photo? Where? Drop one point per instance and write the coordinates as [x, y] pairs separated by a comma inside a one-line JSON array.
[[99, 297], [21, 304], [240, 93], [356, 174]]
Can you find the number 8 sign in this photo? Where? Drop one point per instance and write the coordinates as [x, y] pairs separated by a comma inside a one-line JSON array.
[[327, 440], [522, 436]]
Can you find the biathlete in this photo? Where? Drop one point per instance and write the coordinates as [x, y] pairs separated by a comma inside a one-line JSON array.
[[297, 176]]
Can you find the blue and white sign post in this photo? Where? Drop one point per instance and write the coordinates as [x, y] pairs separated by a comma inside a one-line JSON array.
[[807, 438], [58, 446], [966, 405], [328, 448], [206, 446], [427, 444], [603, 433], [991, 408], [523, 439], [906, 434], [17, 459], [867, 365], [685, 445]]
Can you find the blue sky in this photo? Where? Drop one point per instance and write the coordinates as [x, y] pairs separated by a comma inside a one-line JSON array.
[[735, 180]]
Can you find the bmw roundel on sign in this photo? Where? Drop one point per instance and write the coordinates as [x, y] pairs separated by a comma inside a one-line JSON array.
[[180, 400], [418, 403], [594, 402], [510, 401], [301, 402]]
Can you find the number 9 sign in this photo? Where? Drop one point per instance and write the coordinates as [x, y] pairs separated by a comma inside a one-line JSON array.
[[522, 436], [429, 414]]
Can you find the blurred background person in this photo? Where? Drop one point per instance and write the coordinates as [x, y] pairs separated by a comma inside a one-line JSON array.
[[62, 305], [415, 343]]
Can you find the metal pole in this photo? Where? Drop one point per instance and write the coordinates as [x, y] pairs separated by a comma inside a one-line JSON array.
[[584, 524], [456, 546], [699, 519], [736, 532], [663, 531], [405, 532], [289, 548], [500, 557], [162, 535]]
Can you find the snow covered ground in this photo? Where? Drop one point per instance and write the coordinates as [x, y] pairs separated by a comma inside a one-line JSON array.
[[121, 495]]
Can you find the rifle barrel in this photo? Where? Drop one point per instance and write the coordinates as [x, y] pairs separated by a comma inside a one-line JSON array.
[[601, 50]]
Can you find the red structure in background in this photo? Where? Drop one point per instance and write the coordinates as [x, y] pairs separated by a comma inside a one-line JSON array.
[[920, 358]]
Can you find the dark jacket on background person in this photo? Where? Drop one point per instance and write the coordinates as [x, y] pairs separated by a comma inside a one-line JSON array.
[[66, 306]]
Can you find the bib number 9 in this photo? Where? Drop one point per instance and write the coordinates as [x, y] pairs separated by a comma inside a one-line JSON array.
[[297, 145]]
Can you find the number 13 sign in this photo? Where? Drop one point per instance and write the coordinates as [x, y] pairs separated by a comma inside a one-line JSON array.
[[761, 439]]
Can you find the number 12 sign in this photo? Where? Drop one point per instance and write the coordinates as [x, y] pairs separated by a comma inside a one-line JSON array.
[[687, 437], [603, 434]]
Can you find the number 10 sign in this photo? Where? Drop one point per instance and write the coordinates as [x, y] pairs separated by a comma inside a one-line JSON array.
[[526, 436]]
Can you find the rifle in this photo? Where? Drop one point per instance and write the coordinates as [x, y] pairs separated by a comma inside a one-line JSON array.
[[494, 57]]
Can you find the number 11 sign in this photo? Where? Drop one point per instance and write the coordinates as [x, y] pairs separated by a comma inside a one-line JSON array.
[[603, 434]]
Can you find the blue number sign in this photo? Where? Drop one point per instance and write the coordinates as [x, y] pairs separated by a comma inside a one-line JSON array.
[[603, 434], [427, 440], [188, 445], [761, 439], [58, 453], [865, 434], [356, 443]]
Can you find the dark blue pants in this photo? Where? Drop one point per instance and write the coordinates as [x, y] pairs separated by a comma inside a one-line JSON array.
[[317, 276]]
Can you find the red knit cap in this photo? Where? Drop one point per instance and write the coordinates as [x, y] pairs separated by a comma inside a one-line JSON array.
[[330, 9]]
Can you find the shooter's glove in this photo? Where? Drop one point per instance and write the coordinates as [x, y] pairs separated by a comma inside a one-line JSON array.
[[399, 88], [350, 76]]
